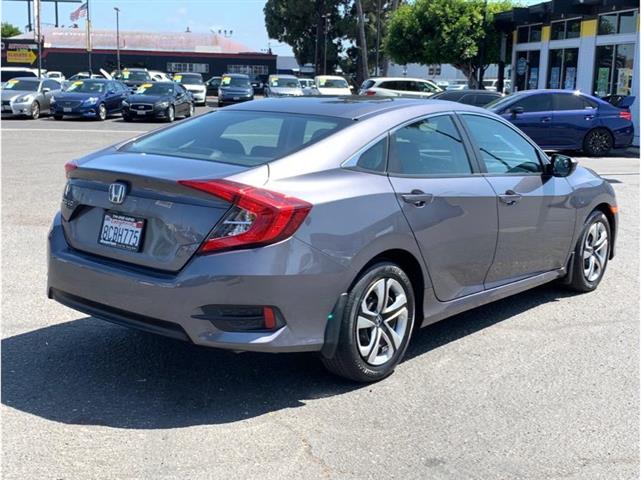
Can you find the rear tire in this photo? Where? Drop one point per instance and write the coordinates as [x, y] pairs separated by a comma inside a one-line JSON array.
[[171, 114], [126, 118], [376, 326], [190, 112], [57, 117], [102, 112], [591, 253], [598, 142]]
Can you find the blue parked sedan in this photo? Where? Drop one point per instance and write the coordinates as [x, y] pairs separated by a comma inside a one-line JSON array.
[[567, 120], [89, 98]]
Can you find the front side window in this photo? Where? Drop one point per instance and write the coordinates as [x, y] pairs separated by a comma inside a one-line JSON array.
[[243, 138], [432, 146], [503, 150]]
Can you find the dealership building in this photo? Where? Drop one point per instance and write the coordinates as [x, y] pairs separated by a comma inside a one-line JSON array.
[[65, 49], [586, 45]]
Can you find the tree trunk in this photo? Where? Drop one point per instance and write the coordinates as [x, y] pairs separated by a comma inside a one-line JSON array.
[[362, 41], [386, 61]]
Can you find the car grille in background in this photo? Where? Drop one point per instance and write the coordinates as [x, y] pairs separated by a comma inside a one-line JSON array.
[[70, 104], [141, 106], [6, 102]]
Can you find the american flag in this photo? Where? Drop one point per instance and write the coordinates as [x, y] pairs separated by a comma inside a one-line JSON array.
[[81, 11]]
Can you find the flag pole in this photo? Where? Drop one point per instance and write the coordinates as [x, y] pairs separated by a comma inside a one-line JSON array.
[[89, 38]]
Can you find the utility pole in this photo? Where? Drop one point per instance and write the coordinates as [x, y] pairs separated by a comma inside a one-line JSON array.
[[378, 33], [117, 40], [89, 39], [362, 40], [326, 17], [482, 48], [37, 13]]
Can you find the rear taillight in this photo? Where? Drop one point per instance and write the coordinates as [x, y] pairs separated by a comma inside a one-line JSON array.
[[257, 217], [369, 93], [69, 167], [626, 115]]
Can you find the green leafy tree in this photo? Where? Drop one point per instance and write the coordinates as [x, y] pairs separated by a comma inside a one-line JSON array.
[[458, 32], [301, 24], [9, 30]]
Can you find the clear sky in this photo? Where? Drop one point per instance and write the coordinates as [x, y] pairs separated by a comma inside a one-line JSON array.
[[244, 17]]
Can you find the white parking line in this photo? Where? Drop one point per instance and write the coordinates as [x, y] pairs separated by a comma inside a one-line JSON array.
[[71, 130]]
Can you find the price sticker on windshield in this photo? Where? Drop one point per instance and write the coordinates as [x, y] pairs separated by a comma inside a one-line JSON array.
[[322, 82], [178, 78], [144, 87], [226, 81]]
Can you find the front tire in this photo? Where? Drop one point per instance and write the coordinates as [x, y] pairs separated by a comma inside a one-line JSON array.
[[35, 111], [598, 142], [591, 253], [57, 117], [190, 112], [171, 114], [102, 112], [376, 326]]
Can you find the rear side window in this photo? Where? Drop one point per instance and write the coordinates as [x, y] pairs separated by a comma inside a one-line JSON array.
[[373, 159], [502, 149], [569, 102], [238, 137], [432, 146], [535, 103]]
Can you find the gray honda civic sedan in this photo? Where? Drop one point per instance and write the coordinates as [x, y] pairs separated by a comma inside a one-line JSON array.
[[333, 225]]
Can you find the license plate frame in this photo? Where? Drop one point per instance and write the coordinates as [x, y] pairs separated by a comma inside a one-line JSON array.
[[141, 112], [66, 109], [131, 224]]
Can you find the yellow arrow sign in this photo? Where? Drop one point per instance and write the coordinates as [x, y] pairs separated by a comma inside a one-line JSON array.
[[21, 56]]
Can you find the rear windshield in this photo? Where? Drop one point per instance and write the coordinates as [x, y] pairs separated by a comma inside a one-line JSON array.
[[367, 84], [239, 137], [155, 89], [234, 82], [332, 83], [135, 76]]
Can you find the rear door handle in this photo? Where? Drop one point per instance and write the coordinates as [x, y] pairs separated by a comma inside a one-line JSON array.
[[418, 198], [510, 197], [546, 119]]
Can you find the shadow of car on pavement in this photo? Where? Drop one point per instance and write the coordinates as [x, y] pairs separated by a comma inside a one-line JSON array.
[[90, 372]]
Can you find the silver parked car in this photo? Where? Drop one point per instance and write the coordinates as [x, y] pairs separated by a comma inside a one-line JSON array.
[[283, 86], [28, 96], [331, 225]]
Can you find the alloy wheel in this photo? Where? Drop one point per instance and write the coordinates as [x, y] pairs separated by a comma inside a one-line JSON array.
[[599, 142], [382, 321], [35, 110], [102, 112], [595, 251]]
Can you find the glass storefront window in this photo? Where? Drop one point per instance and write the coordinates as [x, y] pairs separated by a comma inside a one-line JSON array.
[[522, 34], [608, 24], [618, 22], [535, 33], [563, 68], [614, 70], [527, 70], [573, 29], [557, 30], [627, 22]]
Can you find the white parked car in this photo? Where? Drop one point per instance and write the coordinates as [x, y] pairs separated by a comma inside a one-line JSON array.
[[331, 85], [56, 75], [193, 83], [458, 85], [306, 82], [399, 87], [158, 76]]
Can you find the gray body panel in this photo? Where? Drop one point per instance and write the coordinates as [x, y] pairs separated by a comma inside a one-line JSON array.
[[471, 248]]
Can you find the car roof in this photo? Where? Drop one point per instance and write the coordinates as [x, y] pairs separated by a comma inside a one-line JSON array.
[[37, 79], [239, 75], [466, 92], [378, 79], [351, 107], [283, 76], [329, 76]]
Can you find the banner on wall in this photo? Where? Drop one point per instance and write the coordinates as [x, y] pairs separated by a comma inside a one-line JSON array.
[[570, 78], [602, 80], [624, 81], [533, 82]]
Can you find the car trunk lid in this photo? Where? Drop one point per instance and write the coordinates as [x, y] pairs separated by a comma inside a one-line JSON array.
[[174, 219]]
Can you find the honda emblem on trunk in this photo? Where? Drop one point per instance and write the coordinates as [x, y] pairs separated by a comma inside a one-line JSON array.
[[117, 192]]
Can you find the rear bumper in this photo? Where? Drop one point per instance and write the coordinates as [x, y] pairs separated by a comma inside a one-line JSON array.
[[300, 281]]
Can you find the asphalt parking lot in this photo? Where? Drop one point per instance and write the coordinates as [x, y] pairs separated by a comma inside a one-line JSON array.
[[541, 385]]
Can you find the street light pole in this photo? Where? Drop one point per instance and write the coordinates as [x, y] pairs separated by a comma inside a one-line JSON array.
[[326, 17], [117, 39], [482, 48], [378, 32]]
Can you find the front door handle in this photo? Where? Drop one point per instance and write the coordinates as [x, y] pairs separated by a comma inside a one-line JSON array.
[[510, 197], [546, 119], [418, 198], [589, 117]]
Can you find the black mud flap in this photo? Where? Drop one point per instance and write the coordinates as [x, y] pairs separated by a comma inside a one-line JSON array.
[[333, 328]]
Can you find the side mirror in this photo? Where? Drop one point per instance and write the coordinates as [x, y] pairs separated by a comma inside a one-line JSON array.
[[562, 165], [516, 111], [46, 90]]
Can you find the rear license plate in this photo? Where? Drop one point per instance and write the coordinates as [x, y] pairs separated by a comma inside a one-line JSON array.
[[236, 98], [66, 109], [141, 112], [6, 108], [121, 231]]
